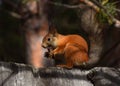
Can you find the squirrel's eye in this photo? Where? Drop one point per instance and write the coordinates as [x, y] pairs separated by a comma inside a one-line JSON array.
[[48, 39]]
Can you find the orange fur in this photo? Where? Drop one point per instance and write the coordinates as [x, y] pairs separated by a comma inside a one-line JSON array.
[[73, 47]]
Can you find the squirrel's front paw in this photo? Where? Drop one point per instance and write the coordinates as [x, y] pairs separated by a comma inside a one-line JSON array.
[[51, 55], [46, 54]]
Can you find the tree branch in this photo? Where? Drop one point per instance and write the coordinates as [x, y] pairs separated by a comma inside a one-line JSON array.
[[65, 5], [94, 4], [89, 3], [14, 74], [97, 6], [118, 10]]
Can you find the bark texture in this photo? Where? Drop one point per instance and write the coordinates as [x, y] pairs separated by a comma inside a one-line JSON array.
[[13, 74]]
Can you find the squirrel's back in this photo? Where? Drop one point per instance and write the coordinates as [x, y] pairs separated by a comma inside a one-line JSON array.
[[76, 40]]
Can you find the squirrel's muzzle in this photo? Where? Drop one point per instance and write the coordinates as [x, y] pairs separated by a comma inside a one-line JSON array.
[[44, 45]]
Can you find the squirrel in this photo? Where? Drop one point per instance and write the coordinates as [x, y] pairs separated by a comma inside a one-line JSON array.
[[73, 47]]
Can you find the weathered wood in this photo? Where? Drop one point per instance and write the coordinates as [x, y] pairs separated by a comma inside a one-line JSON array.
[[21, 75], [13, 74], [104, 76]]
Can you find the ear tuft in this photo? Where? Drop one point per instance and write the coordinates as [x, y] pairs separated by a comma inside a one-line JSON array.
[[52, 29]]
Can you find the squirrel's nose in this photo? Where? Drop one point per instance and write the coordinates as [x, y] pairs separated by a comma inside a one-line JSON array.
[[43, 45]]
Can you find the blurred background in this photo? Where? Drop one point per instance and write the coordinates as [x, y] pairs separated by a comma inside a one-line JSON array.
[[11, 37], [13, 47]]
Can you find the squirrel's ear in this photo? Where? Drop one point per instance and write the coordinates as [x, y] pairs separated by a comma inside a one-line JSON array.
[[52, 30]]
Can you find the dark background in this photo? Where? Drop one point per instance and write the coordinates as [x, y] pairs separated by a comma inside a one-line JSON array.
[[67, 21]]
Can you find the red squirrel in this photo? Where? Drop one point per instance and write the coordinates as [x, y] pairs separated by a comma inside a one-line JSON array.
[[73, 47]]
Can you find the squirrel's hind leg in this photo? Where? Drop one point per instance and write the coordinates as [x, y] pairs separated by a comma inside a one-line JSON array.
[[68, 66]]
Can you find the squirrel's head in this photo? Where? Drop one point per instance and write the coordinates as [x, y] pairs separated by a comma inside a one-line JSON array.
[[50, 40]]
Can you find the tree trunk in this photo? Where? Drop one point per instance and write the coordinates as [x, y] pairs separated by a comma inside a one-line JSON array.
[[104, 40], [35, 53], [36, 27], [13, 74]]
